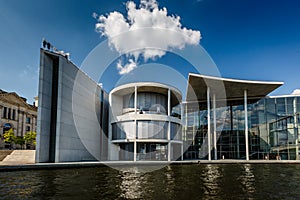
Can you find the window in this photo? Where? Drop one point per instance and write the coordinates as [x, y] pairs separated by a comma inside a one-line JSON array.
[[152, 129], [27, 128], [9, 113], [175, 131], [14, 114], [4, 112], [28, 119], [123, 130]]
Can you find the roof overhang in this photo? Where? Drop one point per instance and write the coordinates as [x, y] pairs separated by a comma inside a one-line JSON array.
[[231, 90]]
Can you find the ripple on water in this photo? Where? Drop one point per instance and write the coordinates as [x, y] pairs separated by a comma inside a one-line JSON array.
[[211, 181]]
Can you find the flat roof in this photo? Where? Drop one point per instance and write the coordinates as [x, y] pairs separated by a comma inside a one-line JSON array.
[[227, 88]]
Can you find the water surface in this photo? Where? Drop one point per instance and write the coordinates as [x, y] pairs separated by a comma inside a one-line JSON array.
[[205, 181]]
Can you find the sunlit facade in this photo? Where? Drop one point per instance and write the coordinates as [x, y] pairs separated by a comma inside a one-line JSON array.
[[272, 129], [144, 124], [219, 118]]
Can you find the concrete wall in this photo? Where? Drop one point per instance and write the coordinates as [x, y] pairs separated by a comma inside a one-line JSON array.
[[78, 113]]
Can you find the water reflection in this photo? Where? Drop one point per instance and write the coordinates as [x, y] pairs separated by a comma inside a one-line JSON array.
[[211, 174], [172, 182], [131, 184], [247, 179]]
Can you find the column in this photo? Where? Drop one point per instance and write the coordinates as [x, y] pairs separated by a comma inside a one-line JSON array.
[[169, 102], [135, 122], [134, 150], [135, 99], [182, 151], [169, 125], [169, 141], [246, 124], [215, 126], [296, 131], [208, 123], [182, 130]]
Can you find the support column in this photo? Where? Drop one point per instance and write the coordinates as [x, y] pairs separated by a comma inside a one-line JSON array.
[[296, 131], [169, 102], [183, 131], [246, 124], [208, 123], [169, 126], [135, 99], [215, 127], [169, 141], [135, 122], [134, 150]]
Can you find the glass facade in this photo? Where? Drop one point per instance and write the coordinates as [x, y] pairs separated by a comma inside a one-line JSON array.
[[273, 130], [148, 102], [146, 129]]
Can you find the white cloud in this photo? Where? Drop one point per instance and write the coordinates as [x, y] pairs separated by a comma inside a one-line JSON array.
[[147, 29], [128, 67]]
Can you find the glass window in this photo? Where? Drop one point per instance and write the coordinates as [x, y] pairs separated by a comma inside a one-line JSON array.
[[14, 114], [152, 129], [151, 101], [4, 112], [27, 128], [123, 130], [128, 101], [9, 113], [28, 120], [175, 131]]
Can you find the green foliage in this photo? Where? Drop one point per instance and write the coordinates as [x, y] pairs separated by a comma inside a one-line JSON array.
[[19, 140], [9, 136], [30, 137]]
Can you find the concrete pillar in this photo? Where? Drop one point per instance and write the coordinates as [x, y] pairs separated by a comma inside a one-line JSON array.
[[134, 150], [208, 123], [135, 123], [169, 141], [215, 126], [135, 99], [169, 126], [296, 131], [181, 151], [182, 129], [246, 124], [169, 102]]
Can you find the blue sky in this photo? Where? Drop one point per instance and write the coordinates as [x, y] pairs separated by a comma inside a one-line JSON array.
[[249, 39]]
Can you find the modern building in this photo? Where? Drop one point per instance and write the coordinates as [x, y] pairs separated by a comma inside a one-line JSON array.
[[143, 123], [16, 114], [220, 118]]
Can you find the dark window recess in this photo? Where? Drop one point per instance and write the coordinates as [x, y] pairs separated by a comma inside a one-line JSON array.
[[28, 120], [27, 128], [4, 112], [9, 113], [14, 114]]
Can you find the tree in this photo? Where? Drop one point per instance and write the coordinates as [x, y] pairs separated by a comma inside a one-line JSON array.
[[30, 138], [9, 137], [20, 141]]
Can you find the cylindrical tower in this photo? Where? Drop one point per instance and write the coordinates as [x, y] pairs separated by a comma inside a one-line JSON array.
[[145, 122]]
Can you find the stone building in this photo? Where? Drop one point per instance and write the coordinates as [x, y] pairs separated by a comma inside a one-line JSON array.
[[17, 114]]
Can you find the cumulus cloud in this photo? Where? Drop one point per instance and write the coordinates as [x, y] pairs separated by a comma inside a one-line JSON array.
[[147, 29], [128, 67]]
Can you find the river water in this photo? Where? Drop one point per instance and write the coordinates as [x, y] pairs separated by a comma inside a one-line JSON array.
[[205, 181]]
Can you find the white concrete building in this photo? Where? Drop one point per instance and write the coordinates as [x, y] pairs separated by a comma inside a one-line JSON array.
[[143, 123]]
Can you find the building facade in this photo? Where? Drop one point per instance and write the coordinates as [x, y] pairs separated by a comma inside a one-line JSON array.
[[16, 114], [220, 118], [144, 124]]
